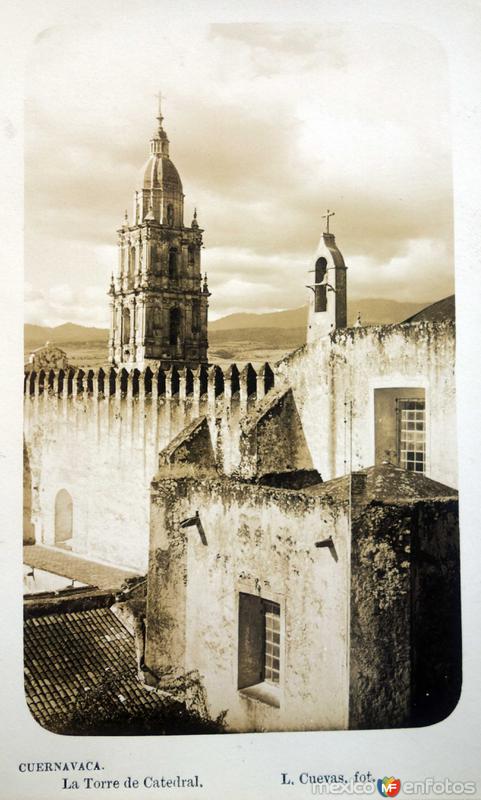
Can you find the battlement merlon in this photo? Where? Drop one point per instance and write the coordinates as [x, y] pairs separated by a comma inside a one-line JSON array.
[[212, 383]]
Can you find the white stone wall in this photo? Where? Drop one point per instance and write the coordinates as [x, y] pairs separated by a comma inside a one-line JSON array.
[[327, 375], [261, 542], [104, 452]]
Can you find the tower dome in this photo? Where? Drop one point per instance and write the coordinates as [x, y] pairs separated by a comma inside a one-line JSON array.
[[160, 195], [159, 171], [158, 300]]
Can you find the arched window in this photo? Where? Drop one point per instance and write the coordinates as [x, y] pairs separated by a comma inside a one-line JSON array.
[[320, 289], [170, 215], [195, 316], [321, 269], [63, 518], [155, 260], [28, 527], [173, 263], [174, 326], [125, 326], [191, 255], [132, 261], [157, 322]]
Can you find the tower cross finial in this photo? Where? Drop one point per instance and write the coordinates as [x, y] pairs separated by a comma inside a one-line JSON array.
[[160, 97], [326, 217]]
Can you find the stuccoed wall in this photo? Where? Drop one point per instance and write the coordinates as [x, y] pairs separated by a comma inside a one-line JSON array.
[[436, 611], [272, 439], [104, 453], [103, 449], [405, 659], [348, 365], [380, 662], [260, 541]]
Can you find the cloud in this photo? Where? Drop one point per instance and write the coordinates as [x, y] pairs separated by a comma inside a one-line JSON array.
[[60, 304], [269, 126]]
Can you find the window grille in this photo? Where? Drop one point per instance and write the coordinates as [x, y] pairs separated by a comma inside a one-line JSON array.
[[412, 434], [271, 641], [259, 641]]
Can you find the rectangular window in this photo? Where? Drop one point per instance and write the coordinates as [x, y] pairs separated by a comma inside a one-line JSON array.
[[394, 417], [272, 641], [259, 641], [412, 436]]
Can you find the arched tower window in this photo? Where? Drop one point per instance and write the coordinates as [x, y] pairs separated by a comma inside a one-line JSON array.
[[174, 325], [321, 269], [125, 326], [195, 316], [63, 518], [155, 259], [320, 291], [170, 215], [173, 263], [191, 255], [157, 322], [132, 261]]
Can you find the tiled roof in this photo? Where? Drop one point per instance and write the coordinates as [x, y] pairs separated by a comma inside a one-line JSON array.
[[385, 482], [67, 655], [436, 312]]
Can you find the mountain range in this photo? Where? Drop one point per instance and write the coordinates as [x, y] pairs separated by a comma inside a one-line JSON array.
[[287, 327]]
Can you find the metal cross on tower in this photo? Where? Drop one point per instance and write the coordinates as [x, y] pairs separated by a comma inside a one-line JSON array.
[[326, 217], [160, 97]]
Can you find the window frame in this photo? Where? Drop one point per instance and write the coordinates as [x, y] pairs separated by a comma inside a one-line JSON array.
[[264, 691], [405, 463], [396, 386]]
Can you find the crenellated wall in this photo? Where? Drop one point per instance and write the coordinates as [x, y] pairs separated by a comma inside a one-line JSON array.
[[97, 435]]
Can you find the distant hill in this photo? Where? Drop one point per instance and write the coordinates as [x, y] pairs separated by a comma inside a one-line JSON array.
[[291, 318], [373, 311], [277, 330], [37, 335]]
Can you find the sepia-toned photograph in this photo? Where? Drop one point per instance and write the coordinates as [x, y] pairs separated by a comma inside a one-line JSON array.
[[240, 472]]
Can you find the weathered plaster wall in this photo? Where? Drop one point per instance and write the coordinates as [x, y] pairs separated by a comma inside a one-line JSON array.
[[259, 541], [103, 449], [436, 611], [272, 439], [405, 656], [380, 657], [348, 366]]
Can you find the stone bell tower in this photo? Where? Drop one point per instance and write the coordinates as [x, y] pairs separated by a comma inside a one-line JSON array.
[[328, 298], [158, 299]]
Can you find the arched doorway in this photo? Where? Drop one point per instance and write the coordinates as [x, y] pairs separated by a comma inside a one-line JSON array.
[[28, 528], [63, 518]]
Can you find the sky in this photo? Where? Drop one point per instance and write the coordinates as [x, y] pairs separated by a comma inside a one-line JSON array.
[[269, 125]]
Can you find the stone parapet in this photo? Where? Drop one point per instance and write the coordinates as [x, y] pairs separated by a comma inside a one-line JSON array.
[[216, 386]]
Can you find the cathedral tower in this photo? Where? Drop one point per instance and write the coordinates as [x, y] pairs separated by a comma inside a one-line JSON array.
[[158, 300], [328, 301]]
